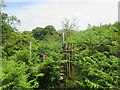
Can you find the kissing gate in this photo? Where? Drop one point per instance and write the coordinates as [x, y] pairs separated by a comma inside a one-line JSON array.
[[81, 57], [73, 51]]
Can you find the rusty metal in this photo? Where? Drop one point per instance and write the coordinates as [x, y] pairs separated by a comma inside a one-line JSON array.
[[70, 54], [69, 59]]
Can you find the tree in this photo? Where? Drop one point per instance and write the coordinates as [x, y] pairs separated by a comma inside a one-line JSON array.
[[37, 33], [41, 33], [8, 26], [49, 29], [69, 27]]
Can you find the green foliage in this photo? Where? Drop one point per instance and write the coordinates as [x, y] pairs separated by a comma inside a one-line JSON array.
[[41, 33], [37, 33], [103, 34], [96, 65], [17, 42], [14, 75], [51, 72], [8, 25]]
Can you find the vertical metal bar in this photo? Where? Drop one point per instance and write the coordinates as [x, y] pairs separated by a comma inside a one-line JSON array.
[[64, 47], [68, 59], [63, 38], [71, 57], [74, 54]]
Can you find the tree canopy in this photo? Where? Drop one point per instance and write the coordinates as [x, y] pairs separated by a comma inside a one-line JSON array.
[[41, 33]]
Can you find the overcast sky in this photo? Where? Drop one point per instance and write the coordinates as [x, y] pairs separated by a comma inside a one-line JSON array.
[[40, 13]]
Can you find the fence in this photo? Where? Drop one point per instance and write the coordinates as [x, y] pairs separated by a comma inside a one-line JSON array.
[[72, 53]]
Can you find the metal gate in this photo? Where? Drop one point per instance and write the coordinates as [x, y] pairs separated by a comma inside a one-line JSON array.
[[72, 51]]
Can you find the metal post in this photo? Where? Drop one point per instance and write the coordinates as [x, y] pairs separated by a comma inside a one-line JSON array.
[[63, 38], [69, 59], [74, 57], [100, 24]]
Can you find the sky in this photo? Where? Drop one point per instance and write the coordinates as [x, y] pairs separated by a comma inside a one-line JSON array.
[[40, 13]]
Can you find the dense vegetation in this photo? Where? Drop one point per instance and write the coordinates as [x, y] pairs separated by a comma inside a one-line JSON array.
[[97, 66]]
